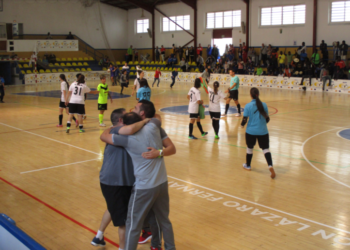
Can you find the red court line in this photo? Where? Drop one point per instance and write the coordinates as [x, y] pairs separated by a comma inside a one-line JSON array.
[[57, 211], [276, 110]]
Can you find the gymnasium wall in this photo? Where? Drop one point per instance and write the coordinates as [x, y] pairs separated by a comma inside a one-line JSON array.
[[60, 17]]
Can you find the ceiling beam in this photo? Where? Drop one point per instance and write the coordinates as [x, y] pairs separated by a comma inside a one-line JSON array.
[[191, 3], [123, 8], [142, 5]]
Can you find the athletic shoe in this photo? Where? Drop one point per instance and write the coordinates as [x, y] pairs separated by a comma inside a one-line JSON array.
[[102, 125], [246, 167], [146, 236], [192, 137], [97, 242], [217, 137], [238, 115], [67, 131], [59, 126], [81, 130], [205, 133], [273, 174], [156, 248]]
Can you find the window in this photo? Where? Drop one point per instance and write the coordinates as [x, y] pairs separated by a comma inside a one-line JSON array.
[[224, 19], [340, 12], [183, 21], [283, 15], [142, 25]]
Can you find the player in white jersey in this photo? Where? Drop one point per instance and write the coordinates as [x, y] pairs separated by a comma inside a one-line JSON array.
[[194, 96], [62, 105], [137, 83], [77, 101], [215, 95]]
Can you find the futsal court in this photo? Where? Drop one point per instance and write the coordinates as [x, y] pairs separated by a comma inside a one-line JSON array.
[[50, 179]]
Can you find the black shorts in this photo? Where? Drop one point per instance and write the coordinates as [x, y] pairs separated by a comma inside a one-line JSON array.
[[234, 95], [263, 140], [194, 116], [63, 105], [117, 199], [102, 106], [76, 108], [215, 115]]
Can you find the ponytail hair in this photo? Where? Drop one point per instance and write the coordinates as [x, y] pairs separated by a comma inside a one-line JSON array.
[[63, 78], [254, 92], [81, 79], [216, 87]]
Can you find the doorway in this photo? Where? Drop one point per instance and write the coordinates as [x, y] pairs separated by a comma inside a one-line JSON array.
[[221, 44]]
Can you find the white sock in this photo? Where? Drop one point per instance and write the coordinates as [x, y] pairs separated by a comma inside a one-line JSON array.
[[270, 166], [99, 234]]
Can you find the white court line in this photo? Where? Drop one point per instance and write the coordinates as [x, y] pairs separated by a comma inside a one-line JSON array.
[[50, 139], [257, 204], [302, 152], [251, 202], [160, 93], [41, 169]]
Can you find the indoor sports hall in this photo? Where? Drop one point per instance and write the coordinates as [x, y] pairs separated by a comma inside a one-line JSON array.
[[222, 193]]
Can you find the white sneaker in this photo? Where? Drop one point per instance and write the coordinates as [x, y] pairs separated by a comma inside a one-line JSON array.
[[102, 125], [238, 114]]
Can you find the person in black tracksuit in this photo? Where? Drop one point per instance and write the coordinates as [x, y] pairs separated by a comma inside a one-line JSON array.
[[174, 74], [2, 89]]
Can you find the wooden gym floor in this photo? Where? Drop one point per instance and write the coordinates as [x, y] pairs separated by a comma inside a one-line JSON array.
[[215, 204]]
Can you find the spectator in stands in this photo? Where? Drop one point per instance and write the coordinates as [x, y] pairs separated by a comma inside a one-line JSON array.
[[281, 60], [274, 57], [192, 54], [344, 50], [338, 73], [315, 58], [183, 65], [169, 61], [289, 59], [230, 57], [240, 51], [252, 55], [2, 89], [49, 36], [215, 53], [336, 50], [180, 52], [209, 50], [263, 54], [244, 53], [240, 67], [226, 67], [303, 47], [162, 53], [187, 54], [200, 62], [287, 72], [45, 61], [303, 56], [324, 51], [269, 54], [157, 53], [340, 63], [70, 36], [173, 50], [129, 52], [250, 70], [307, 73], [199, 50], [259, 70], [136, 55], [33, 59]]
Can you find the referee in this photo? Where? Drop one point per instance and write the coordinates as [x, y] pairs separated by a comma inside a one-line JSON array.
[[233, 93]]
